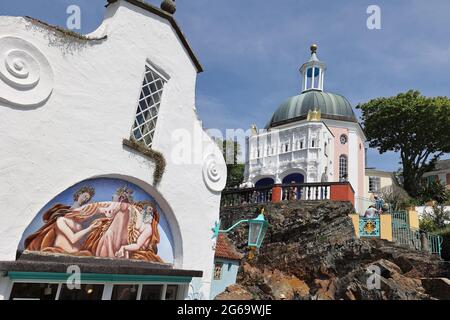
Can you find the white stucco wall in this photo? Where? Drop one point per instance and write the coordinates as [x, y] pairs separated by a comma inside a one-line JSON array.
[[77, 133], [353, 162], [276, 163]]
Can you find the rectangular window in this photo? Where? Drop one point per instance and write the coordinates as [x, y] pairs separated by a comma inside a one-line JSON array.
[[124, 292], [151, 292], [148, 108], [343, 168], [218, 271], [171, 292], [86, 292], [33, 291], [374, 184]]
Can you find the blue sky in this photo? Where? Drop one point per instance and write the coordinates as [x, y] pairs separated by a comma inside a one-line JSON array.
[[251, 50]]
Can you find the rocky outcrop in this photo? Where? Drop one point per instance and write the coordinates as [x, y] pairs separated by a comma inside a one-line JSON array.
[[437, 287], [235, 292], [310, 252]]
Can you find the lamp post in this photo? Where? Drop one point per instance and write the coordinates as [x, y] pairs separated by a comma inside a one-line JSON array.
[[257, 231]]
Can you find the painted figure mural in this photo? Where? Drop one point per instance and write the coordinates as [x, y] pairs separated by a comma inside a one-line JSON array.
[[128, 225]]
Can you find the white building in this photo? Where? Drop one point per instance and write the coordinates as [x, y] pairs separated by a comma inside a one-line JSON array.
[[440, 173], [312, 137], [90, 180]]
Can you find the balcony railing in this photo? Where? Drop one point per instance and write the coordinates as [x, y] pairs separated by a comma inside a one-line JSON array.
[[306, 191], [337, 191], [237, 197]]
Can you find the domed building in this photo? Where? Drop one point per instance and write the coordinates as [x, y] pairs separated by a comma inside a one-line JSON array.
[[313, 137]]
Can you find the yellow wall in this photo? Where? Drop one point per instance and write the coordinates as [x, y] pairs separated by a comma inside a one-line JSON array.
[[413, 217], [355, 220], [386, 227]]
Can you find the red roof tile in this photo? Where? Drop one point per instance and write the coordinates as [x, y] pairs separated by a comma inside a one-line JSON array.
[[225, 249]]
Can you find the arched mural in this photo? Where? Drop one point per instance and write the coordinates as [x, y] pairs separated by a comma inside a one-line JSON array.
[[102, 217]]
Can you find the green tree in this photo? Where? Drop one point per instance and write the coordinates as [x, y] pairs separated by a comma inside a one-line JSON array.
[[433, 191], [235, 171], [415, 126]]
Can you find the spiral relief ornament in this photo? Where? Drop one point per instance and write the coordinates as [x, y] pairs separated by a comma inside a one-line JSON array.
[[215, 172], [26, 78]]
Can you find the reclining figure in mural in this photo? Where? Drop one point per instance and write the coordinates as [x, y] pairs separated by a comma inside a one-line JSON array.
[[61, 232], [124, 229]]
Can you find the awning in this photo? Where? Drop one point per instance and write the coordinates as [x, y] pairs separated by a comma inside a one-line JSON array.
[[60, 267]]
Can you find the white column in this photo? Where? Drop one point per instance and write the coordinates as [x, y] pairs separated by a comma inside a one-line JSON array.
[[305, 79], [353, 160], [5, 288], [107, 291], [319, 80]]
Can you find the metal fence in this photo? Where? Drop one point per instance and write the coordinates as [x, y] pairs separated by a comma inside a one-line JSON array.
[[414, 238], [400, 217]]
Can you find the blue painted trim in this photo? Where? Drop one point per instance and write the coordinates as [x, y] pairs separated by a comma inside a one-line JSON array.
[[19, 275]]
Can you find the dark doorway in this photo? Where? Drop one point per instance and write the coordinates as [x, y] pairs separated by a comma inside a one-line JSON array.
[[296, 177], [265, 182]]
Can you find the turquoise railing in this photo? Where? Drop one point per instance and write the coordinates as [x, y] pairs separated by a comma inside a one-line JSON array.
[[400, 217], [411, 237]]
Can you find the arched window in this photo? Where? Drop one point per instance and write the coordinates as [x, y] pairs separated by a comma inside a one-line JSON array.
[[343, 168]]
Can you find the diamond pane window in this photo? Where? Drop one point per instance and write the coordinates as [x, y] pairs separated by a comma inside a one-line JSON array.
[[148, 108]]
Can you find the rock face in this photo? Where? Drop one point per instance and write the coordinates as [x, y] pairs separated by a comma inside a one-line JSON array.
[[310, 252]]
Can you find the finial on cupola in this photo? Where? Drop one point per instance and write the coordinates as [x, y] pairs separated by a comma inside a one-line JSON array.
[[313, 48], [169, 6]]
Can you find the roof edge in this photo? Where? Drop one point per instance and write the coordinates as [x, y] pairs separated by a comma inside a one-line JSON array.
[[62, 31], [150, 8], [323, 115]]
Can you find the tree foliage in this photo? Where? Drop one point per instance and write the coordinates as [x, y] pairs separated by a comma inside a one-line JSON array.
[[231, 151], [415, 126], [433, 191]]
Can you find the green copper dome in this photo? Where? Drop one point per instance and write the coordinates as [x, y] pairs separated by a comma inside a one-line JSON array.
[[331, 106]]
